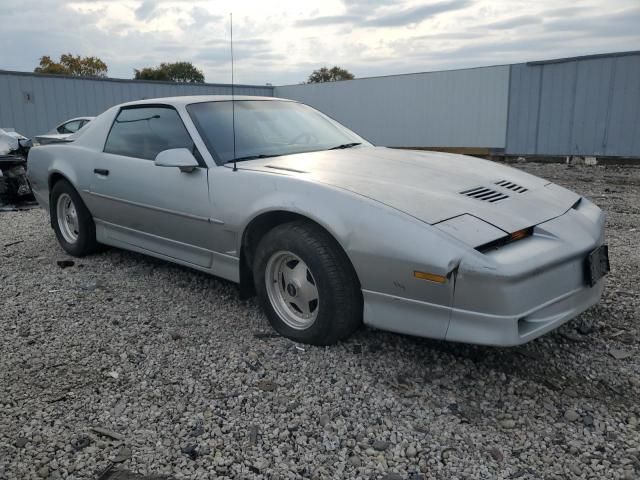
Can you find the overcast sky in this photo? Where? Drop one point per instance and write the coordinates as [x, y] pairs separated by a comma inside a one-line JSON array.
[[281, 42]]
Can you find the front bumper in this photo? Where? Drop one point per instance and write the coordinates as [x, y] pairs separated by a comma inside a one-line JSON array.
[[511, 295], [510, 330]]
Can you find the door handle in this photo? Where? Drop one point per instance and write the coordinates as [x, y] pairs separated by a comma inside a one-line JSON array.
[[101, 171]]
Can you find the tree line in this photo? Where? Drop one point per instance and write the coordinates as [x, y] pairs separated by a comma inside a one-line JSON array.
[[184, 72], [77, 66]]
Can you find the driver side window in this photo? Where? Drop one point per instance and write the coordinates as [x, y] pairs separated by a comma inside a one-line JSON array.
[[143, 132]]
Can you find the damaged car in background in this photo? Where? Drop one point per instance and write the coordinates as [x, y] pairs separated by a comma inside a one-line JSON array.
[[328, 230], [14, 185]]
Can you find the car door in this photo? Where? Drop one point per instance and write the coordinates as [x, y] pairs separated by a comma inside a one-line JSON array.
[[161, 210]]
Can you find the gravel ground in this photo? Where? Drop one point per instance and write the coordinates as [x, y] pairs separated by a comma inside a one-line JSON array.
[[187, 381]]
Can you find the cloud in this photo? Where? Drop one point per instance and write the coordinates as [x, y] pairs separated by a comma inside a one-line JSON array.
[[327, 20], [366, 7], [624, 22], [366, 13], [201, 16], [514, 22], [414, 15], [146, 9], [282, 43]]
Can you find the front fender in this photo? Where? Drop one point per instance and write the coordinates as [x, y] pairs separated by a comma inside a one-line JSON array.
[[384, 245]]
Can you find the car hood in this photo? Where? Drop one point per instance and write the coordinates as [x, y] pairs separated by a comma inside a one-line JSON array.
[[430, 186]]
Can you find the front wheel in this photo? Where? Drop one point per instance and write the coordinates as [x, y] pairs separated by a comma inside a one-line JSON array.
[[306, 284], [71, 220]]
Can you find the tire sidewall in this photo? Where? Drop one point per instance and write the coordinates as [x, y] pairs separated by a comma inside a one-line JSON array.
[[85, 243]]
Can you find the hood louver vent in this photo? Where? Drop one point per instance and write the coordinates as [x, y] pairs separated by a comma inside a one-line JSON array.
[[511, 186], [485, 194]]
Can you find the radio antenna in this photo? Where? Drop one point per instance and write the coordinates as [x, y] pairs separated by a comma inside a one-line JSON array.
[[233, 102]]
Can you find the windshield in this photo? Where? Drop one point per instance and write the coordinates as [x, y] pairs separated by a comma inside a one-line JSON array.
[[267, 128]]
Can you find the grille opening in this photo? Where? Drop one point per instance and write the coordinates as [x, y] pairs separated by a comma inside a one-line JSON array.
[[511, 186], [485, 194]]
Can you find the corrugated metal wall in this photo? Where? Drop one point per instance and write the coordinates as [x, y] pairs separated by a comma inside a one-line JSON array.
[[34, 104], [458, 108], [581, 106]]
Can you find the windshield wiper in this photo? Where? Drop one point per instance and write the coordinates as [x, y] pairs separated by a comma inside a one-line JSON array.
[[346, 145], [250, 157]]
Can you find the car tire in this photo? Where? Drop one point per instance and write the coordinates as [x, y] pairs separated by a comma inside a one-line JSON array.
[[71, 220], [306, 284]]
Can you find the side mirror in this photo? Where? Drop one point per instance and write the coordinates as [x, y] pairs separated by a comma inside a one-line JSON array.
[[177, 157]]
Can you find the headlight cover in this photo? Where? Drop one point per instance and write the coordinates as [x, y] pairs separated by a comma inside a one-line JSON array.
[[471, 230]]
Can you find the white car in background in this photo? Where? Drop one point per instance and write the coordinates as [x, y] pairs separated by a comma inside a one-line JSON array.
[[62, 131]]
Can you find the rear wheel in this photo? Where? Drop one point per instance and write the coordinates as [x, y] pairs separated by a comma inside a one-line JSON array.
[[306, 284], [71, 220]]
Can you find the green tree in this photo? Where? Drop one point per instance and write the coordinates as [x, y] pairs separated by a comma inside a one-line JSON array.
[[73, 65], [151, 73], [184, 72], [333, 74]]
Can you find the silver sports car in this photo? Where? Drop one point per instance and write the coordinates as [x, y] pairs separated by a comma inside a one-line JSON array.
[[328, 230]]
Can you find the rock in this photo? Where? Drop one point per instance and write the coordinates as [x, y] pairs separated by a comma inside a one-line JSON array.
[[119, 408], [355, 461], [585, 327], [392, 476], [43, 472], [620, 354], [191, 451], [90, 286], [495, 454], [253, 435], [324, 420], [331, 443], [573, 336], [508, 423], [123, 455], [571, 415], [380, 445], [21, 442], [587, 420], [197, 430], [81, 442], [410, 452], [266, 385], [575, 469], [107, 433]]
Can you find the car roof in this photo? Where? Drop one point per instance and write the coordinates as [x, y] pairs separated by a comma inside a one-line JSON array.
[[76, 118], [188, 99]]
